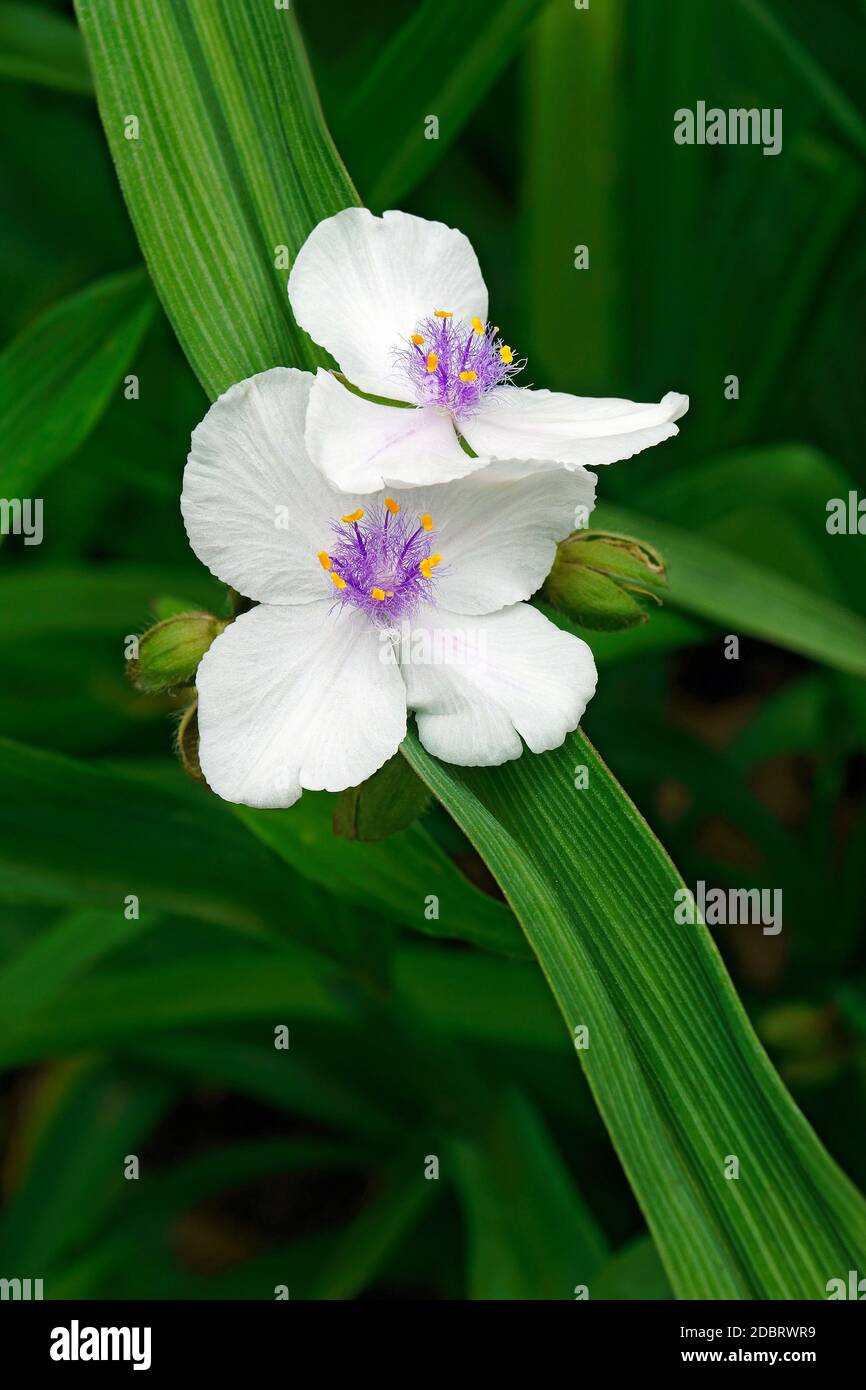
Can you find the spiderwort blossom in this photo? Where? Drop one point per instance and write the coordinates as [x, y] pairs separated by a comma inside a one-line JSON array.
[[311, 687], [401, 305]]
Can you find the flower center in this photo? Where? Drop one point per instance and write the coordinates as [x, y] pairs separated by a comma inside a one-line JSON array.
[[382, 562], [453, 364]]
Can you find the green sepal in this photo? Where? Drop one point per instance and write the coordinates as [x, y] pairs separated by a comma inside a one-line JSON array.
[[391, 800], [170, 652]]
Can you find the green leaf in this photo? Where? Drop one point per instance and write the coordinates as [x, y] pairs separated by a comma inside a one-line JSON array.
[[634, 1272], [216, 1170], [145, 1217], [106, 601], [377, 1232], [31, 978], [112, 835], [76, 1173], [298, 1087], [846, 115], [399, 877], [57, 378], [770, 505], [39, 45], [530, 1235], [707, 579], [667, 631], [441, 62], [480, 998], [231, 163], [793, 720], [121, 1007], [679, 1076], [574, 72]]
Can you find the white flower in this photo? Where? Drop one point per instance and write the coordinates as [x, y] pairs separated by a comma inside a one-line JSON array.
[[400, 304], [310, 688]]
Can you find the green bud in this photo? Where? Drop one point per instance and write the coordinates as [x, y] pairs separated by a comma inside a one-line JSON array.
[[392, 799], [187, 741], [169, 654], [605, 581]]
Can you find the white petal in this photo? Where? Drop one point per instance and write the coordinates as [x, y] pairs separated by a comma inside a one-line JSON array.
[[294, 697], [497, 532], [515, 422], [360, 284], [478, 685], [361, 446], [256, 509]]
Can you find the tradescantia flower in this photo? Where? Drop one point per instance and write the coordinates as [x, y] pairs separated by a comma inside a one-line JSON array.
[[368, 605], [400, 303]]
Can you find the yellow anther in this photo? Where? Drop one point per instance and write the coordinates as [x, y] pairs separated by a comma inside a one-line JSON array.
[[443, 314], [354, 516], [338, 579], [417, 338], [505, 353], [432, 361], [427, 565], [427, 521], [377, 594], [468, 376], [393, 507], [478, 325], [324, 559]]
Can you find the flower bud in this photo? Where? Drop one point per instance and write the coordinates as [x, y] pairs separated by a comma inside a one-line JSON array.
[[187, 741], [605, 581], [389, 801], [169, 654]]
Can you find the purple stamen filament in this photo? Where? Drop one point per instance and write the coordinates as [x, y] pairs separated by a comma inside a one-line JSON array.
[[458, 349], [378, 557]]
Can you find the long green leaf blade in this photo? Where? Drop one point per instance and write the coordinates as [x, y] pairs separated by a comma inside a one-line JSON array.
[[59, 954], [38, 45], [711, 581], [73, 357], [440, 63], [230, 163], [530, 1234], [398, 877], [677, 1072]]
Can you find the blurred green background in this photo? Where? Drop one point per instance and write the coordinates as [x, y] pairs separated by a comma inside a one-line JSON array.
[[154, 1036]]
